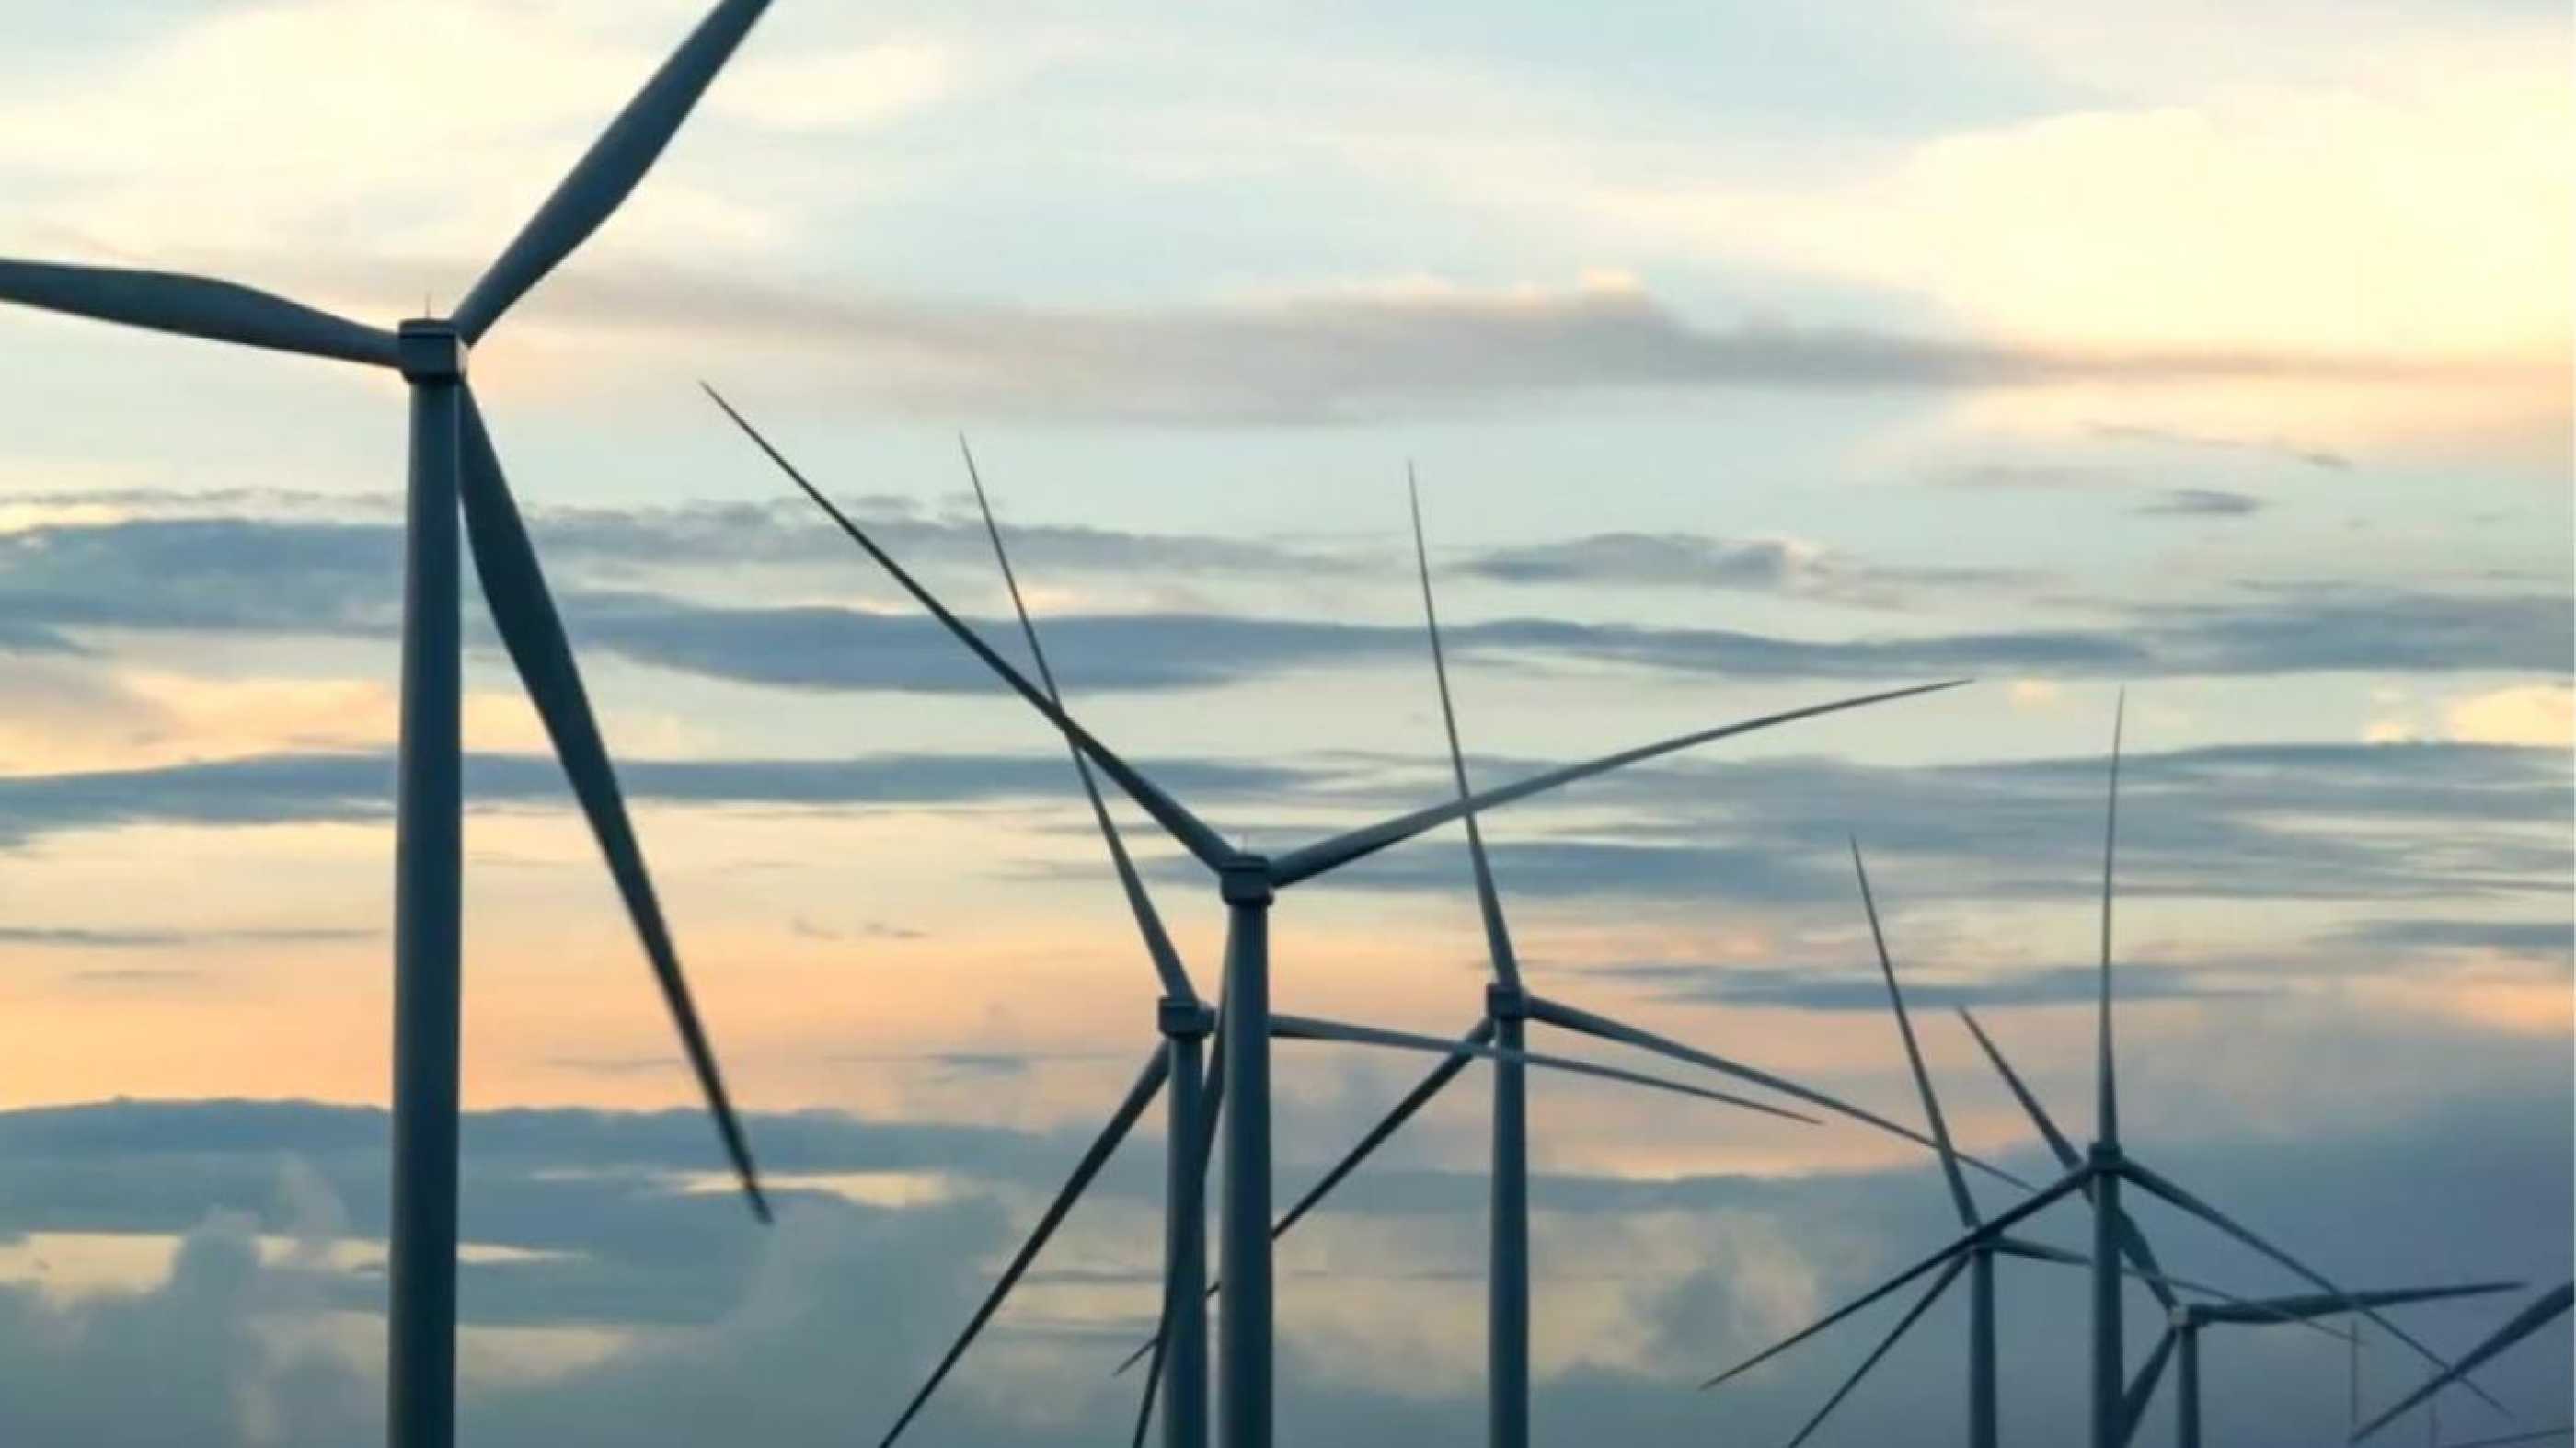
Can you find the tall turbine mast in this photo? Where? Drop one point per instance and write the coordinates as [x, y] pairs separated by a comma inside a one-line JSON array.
[[452, 466]]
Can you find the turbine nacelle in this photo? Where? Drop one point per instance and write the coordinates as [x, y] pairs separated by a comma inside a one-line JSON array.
[[431, 349]]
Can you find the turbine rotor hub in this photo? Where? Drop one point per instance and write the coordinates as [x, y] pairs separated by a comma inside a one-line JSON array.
[[1506, 1002]]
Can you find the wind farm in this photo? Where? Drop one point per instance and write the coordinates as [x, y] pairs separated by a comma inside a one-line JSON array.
[[1580, 677]]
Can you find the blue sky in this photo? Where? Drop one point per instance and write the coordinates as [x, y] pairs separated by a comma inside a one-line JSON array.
[[1747, 357]]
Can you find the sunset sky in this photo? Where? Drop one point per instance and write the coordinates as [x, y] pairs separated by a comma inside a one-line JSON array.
[[1749, 355]]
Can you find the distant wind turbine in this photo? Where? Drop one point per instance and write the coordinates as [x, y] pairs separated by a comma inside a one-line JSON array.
[[1508, 1004], [2542, 1310], [2181, 1340], [1185, 1022], [2099, 1175], [452, 463], [1248, 883], [1976, 1258]]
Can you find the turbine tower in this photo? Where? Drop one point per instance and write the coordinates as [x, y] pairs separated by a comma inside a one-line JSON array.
[[1185, 1023], [2098, 1175], [1248, 884], [453, 466]]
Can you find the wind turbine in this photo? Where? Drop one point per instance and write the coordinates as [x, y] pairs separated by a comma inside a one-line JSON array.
[[1976, 1258], [1247, 884], [2539, 1313], [2181, 1339], [1185, 1022], [2099, 1175], [452, 464]]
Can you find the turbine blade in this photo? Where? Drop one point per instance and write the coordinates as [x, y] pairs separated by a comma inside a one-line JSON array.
[[194, 306], [1153, 1380], [1939, 1285], [2538, 1435], [1959, 1197], [1557, 1013], [524, 612], [2544, 1309], [1310, 1028], [1340, 850], [2298, 1309], [1403, 1111], [2106, 1085], [1149, 922], [599, 182], [2064, 1150], [2133, 1243], [2040, 1252], [1194, 835], [1139, 1096], [2142, 1388], [1489, 901], [2164, 1285], [1994, 1228], [2156, 1183]]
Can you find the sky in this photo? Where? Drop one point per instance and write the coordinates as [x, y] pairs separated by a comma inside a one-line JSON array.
[[1747, 355]]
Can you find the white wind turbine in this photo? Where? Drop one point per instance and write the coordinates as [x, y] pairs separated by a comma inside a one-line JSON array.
[[1185, 1022], [453, 465], [1247, 884]]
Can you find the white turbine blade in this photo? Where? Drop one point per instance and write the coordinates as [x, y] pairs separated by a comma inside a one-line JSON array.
[[1993, 1229], [1149, 922], [2106, 1084], [1309, 1028], [1194, 835], [194, 307], [1966, 1204], [1557, 1013], [2544, 1309], [1139, 1096], [524, 613], [2156, 1183], [2142, 1388], [1403, 1111], [1340, 850], [2133, 1243], [1489, 900], [1912, 1315], [2299, 1309], [599, 182]]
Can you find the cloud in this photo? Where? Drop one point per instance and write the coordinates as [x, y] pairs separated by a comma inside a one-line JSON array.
[[1346, 354], [269, 789], [1813, 990], [2544, 938], [77, 937], [704, 1323], [2314, 457], [296, 577], [2201, 503], [2446, 822], [1691, 560]]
